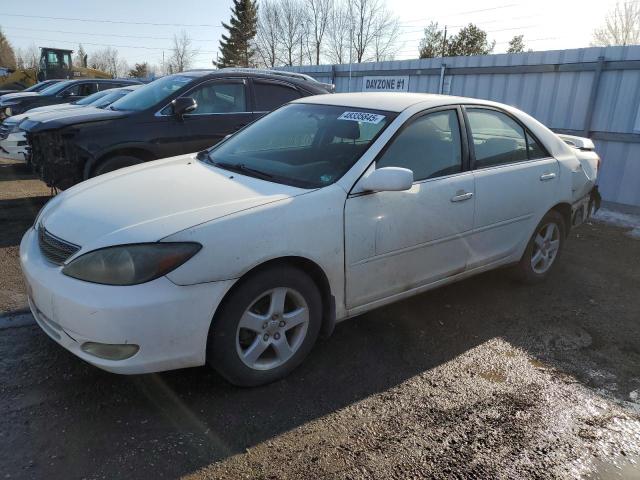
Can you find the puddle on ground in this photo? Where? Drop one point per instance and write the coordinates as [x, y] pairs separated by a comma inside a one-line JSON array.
[[537, 363], [494, 376], [622, 468]]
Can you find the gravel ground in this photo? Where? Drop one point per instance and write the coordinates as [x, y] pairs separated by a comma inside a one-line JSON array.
[[482, 379]]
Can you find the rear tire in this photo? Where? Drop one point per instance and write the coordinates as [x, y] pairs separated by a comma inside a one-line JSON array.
[[266, 326], [115, 163], [542, 252]]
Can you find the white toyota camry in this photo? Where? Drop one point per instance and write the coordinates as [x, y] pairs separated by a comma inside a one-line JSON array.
[[242, 255]]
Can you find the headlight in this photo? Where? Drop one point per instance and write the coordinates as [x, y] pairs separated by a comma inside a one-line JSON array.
[[12, 127], [130, 264], [8, 111]]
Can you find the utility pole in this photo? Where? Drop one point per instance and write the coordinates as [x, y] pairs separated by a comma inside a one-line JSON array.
[[444, 42]]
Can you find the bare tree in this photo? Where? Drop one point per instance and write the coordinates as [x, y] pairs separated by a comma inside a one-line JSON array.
[[338, 35], [372, 25], [319, 15], [80, 58], [122, 68], [292, 20], [385, 40], [621, 26], [27, 58], [182, 53], [106, 60], [269, 33]]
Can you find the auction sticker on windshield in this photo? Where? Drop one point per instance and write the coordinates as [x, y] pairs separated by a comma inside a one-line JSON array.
[[365, 117]]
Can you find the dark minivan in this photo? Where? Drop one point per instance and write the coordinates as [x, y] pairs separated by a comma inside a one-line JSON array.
[[176, 114], [65, 91]]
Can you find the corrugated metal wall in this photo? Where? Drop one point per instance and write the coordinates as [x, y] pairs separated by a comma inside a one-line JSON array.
[[588, 90]]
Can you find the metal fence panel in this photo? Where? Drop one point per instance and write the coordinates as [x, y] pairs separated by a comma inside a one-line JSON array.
[[594, 91]]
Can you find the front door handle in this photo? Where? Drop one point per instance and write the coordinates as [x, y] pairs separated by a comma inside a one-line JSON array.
[[547, 176], [461, 197]]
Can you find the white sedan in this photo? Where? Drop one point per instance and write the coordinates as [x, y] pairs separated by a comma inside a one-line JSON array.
[[326, 208]]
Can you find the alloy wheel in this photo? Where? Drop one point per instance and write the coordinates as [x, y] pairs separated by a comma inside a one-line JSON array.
[[545, 248], [272, 328]]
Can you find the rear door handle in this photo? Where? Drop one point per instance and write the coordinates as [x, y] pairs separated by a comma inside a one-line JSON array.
[[461, 197], [547, 176]]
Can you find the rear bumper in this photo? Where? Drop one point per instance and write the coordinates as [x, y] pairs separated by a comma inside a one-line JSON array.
[[585, 207]]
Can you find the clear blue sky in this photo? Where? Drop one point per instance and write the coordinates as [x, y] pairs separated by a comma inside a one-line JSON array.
[[23, 31], [546, 24]]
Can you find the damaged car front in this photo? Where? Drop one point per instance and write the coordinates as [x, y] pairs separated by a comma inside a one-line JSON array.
[[59, 147]]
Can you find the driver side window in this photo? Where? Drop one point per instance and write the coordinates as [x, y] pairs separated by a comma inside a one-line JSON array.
[[219, 97], [429, 146]]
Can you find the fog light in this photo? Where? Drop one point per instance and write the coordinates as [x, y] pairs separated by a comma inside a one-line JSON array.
[[110, 351]]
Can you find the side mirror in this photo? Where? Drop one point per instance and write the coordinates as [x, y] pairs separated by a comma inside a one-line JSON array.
[[183, 105], [388, 179]]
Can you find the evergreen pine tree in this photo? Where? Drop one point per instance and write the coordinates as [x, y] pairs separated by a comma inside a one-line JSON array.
[[236, 46], [7, 55]]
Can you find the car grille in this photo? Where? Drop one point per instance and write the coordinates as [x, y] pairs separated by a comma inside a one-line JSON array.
[[4, 131], [53, 248]]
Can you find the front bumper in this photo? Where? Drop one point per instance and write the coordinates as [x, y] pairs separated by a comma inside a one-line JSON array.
[[14, 146], [170, 323]]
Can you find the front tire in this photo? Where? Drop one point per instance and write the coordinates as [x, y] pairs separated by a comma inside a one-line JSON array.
[[115, 163], [543, 249], [265, 327]]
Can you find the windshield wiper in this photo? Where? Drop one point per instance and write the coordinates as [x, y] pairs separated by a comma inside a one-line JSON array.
[[242, 168]]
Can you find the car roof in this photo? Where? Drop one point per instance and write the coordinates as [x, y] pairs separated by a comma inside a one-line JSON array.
[[292, 77], [103, 80], [389, 101]]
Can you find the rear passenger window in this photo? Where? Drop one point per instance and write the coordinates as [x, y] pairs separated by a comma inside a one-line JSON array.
[[497, 138], [429, 146], [106, 86], [81, 89], [270, 96]]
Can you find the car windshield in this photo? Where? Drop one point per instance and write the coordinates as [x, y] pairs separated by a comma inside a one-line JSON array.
[[152, 93], [91, 98], [39, 86], [304, 145], [110, 98], [56, 87]]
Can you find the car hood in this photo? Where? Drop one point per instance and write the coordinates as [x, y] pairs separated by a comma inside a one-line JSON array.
[[148, 202], [38, 114], [18, 95], [65, 118], [55, 108]]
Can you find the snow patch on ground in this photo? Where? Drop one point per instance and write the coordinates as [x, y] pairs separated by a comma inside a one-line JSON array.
[[620, 219]]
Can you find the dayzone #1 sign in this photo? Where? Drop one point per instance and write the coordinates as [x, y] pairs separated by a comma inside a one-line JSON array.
[[385, 84]]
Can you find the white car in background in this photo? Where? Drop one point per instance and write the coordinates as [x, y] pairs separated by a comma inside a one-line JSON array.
[[13, 141], [328, 207]]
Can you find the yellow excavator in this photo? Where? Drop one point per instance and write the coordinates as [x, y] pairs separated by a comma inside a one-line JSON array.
[[55, 63]]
